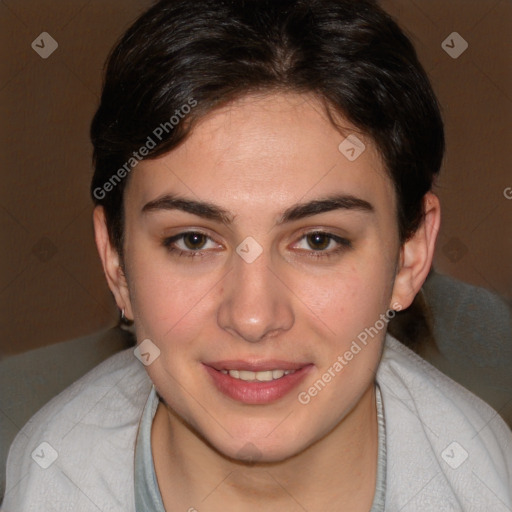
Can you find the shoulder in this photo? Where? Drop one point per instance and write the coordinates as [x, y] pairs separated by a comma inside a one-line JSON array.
[[428, 385], [467, 315], [79, 447], [446, 447]]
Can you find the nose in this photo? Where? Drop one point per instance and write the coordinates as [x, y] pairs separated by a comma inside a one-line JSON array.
[[255, 304]]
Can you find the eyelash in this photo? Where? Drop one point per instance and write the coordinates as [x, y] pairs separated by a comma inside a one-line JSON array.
[[168, 244], [343, 245]]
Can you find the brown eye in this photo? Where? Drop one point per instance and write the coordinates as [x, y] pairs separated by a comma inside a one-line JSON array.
[[322, 245], [318, 241], [194, 241], [191, 244]]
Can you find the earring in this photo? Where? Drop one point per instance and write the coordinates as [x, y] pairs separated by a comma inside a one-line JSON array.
[[125, 321]]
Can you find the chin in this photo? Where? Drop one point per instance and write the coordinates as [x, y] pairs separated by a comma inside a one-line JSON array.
[[261, 451]]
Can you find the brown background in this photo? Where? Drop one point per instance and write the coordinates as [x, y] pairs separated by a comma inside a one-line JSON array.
[[51, 284]]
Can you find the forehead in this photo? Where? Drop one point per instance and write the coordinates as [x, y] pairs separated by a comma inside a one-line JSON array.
[[266, 152]]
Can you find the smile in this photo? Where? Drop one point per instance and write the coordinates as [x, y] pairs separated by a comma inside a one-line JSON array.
[[263, 376], [256, 383]]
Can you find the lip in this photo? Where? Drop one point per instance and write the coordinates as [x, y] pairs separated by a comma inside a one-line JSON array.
[[256, 366], [256, 393]]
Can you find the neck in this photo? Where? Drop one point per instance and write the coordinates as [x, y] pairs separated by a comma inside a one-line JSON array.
[[338, 472]]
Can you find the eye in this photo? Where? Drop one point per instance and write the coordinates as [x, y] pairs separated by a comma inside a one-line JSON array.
[[189, 244], [320, 244]]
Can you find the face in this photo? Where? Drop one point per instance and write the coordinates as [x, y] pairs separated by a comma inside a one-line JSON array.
[[258, 246]]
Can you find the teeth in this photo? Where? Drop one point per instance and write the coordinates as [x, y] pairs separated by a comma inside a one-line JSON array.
[[245, 375], [277, 374], [264, 376]]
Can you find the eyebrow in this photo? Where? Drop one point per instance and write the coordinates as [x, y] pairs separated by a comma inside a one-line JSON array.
[[298, 211]]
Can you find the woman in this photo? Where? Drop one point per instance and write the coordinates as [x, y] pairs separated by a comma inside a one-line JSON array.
[[263, 175]]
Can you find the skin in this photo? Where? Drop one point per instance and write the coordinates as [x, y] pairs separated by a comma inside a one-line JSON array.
[[255, 159]]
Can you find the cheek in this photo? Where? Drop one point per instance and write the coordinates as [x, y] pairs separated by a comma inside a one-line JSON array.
[[351, 299], [168, 304]]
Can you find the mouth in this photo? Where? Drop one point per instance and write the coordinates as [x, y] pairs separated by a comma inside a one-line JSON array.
[[256, 383], [263, 376]]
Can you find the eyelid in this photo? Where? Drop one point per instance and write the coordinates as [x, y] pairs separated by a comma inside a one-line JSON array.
[[342, 243], [168, 243], [340, 240]]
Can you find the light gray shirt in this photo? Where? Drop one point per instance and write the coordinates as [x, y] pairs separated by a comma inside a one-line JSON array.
[[147, 493], [446, 450]]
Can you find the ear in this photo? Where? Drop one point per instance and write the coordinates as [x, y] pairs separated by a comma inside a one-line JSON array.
[[416, 255], [112, 267]]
